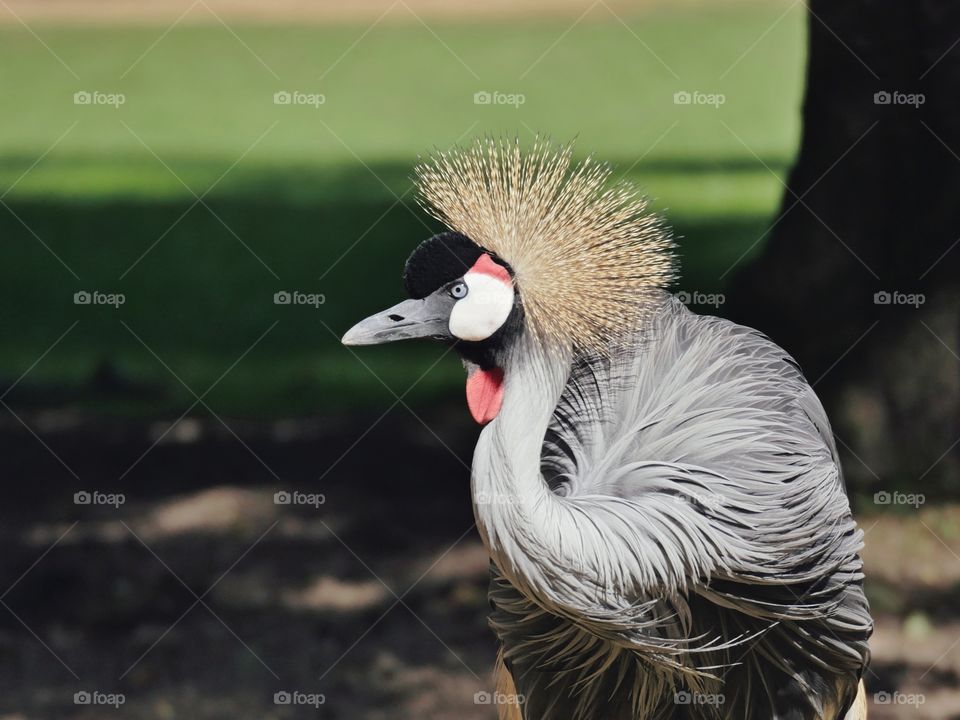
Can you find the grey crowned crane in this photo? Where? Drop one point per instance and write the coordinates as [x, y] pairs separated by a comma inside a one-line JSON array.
[[659, 491]]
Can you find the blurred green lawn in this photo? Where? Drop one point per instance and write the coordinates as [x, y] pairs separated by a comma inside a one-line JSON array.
[[306, 198]]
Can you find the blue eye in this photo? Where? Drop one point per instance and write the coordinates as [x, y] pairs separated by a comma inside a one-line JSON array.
[[459, 290]]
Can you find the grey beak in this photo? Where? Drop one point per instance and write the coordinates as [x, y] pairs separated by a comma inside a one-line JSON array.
[[428, 317]]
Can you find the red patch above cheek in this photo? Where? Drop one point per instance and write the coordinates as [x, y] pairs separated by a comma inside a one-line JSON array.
[[486, 265], [485, 394]]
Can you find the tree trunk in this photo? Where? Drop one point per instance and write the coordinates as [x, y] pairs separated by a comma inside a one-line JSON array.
[[859, 279]]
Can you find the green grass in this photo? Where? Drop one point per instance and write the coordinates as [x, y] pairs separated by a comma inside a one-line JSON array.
[[312, 192]]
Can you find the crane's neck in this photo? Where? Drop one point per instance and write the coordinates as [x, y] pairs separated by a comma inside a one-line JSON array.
[[517, 514]]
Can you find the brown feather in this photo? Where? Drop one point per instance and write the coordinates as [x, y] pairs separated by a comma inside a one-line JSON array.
[[859, 709], [505, 688]]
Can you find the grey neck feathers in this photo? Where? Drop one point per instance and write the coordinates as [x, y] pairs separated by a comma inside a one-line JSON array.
[[578, 558], [516, 513]]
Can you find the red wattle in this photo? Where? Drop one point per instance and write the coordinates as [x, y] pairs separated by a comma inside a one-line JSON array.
[[485, 394]]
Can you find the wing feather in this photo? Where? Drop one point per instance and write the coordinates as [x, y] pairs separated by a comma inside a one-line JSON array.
[[703, 453]]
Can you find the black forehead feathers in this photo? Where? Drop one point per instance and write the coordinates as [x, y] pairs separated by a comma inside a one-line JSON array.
[[438, 260]]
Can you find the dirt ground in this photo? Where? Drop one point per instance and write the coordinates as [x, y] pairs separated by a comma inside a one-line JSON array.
[[200, 597]]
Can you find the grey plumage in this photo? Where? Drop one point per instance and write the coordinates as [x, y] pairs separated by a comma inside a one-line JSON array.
[[669, 517], [659, 491]]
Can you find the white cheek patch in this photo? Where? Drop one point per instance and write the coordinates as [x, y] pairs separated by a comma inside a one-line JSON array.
[[485, 308]]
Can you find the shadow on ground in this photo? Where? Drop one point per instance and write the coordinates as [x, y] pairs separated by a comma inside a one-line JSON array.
[[201, 596]]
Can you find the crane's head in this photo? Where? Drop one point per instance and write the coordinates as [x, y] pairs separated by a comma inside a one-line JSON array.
[[461, 294], [535, 246]]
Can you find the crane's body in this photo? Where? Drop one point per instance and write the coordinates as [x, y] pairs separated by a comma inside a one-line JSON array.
[[659, 491], [721, 558]]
